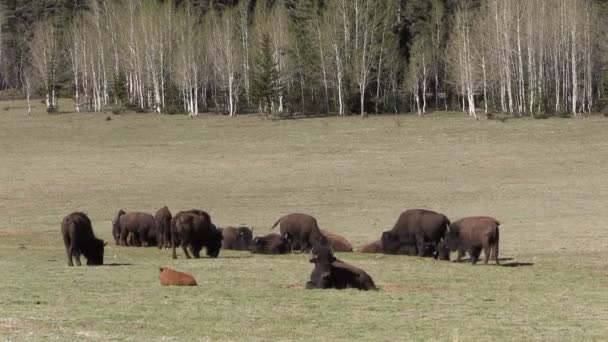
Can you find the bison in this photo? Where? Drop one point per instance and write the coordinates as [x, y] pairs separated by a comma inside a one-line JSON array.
[[193, 231], [270, 244], [330, 272], [163, 225], [135, 229], [301, 230], [337, 242], [78, 238], [416, 232], [171, 277], [373, 247], [236, 238], [471, 235]]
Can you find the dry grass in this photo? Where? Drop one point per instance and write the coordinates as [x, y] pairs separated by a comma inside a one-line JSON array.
[[545, 180]]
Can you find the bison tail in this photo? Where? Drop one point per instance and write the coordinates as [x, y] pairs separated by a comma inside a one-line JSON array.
[[276, 223]]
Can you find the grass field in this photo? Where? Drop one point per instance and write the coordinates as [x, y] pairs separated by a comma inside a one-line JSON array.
[[545, 180]]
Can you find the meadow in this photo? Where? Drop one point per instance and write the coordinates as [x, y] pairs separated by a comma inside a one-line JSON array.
[[545, 180]]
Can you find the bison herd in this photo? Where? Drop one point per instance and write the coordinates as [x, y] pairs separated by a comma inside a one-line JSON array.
[[418, 232]]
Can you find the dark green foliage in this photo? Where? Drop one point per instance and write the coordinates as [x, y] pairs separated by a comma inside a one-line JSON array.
[[265, 85], [119, 89], [173, 100]]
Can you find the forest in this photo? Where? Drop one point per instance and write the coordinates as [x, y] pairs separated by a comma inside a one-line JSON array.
[[280, 57]]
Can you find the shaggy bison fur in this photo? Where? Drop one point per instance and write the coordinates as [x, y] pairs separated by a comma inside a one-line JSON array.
[[301, 230], [135, 229], [192, 231], [471, 235], [330, 272], [270, 244], [237, 238], [337, 242], [416, 232], [171, 277], [373, 247], [78, 238], [163, 227]]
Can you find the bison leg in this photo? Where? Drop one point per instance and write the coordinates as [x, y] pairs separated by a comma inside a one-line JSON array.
[[186, 251], [487, 250], [68, 249], [474, 254], [495, 253], [123, 237], [420, 245], [74, 253]]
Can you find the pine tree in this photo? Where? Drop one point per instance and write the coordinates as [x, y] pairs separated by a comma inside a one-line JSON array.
[[265, 82]]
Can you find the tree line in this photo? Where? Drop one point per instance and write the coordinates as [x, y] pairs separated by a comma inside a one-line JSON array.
[[522, 57]]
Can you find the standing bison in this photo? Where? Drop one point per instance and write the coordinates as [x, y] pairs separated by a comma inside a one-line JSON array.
[[134, 229], [471, 235], [270, 244], [416, 232], [236, 238], [78, 238], [301, 230], [330, 272], [193, 230], [163, 227]]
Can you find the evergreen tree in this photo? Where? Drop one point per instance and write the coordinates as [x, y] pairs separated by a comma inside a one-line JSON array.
[[265, 82]]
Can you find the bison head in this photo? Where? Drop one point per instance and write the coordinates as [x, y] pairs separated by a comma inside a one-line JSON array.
[[322, 255], [94, 252], [452, 238], [390, 242], [215, 244], [443, 253], [245, 237]]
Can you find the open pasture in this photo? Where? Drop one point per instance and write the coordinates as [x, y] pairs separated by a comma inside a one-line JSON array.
[[545, 180]]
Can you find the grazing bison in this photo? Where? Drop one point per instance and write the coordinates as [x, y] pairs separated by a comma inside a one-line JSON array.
[[471, 235], [193, 231], [171, 277], [163, 225], [416, 232], [301, 230], [330, 272], [373, 247], [135, 229], [236, 238], [337, 242], [78, 238], [270, 244]]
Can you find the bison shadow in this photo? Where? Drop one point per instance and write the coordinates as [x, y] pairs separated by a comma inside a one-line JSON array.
[[517, 264], [117, 264]]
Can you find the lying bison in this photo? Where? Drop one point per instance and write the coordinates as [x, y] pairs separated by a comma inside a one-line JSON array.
[[416, 232], [236, 238], [78, 238], [171, 277], [193, 231], [270, 244], [163, 227], [330, 272], [373, 247], [337, 242], [135, 229], [471, 235], [301, 230]]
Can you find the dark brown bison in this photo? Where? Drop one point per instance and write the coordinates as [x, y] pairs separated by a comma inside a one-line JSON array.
[[236, 238], [337, 242], [416, 232], [78, 238], [330, 272], [163, 227], [192, 231], [301, 230], [471, 235], [373, 247], [270, 244], [171, 277], [135, 229]]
